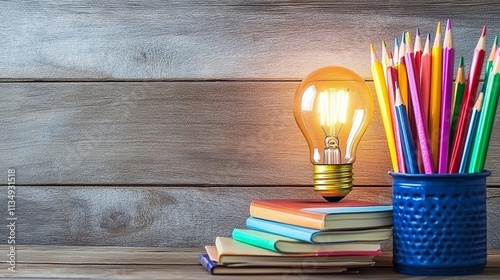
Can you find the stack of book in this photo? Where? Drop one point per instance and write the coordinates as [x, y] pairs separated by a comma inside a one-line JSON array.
[[302, 236]]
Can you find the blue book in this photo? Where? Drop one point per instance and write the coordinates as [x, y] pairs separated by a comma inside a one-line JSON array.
[[207, 263], [319, 236]]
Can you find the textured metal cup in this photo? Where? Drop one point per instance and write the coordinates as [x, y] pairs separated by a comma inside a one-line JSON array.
[[439, 223]]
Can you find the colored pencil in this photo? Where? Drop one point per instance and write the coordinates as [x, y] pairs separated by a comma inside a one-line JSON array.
[[425, 78], [471, 133], [467, 103], [417, 53], [395, 54], [435, 100], [402, 76], [383, 101], [384, 59], [486, 118], [446, 99], [457, 96], [489, 66], [411, 115], [405, 135], [392, 76], [489, 63], [421, 126]]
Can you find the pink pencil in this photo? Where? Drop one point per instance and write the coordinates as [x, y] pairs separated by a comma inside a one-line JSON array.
[[421, 125], [425, 78], [446, 99]]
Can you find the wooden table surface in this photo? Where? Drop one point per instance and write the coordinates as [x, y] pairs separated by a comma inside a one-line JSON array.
[[78, 262]]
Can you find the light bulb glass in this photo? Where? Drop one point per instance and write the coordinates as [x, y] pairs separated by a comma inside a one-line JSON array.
[[333, 107]]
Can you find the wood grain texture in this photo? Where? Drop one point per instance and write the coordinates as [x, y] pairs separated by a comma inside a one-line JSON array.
[[217, 39], [155, 123], [193, 272], [68, 262], [160, 216], [205, 133], [141, 216], [112, 255]]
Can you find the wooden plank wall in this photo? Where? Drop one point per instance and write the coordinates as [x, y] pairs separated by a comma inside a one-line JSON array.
[[155, 123]]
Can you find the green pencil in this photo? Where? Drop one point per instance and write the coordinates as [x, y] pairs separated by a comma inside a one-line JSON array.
[[458, 96], [491, 58], [486, 119], [489, 63]]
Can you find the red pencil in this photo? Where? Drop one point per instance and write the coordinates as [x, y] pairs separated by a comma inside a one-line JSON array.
[[467, 103], [417, 53]]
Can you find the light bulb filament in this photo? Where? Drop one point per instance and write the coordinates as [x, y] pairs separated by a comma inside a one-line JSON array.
[[333, 106]]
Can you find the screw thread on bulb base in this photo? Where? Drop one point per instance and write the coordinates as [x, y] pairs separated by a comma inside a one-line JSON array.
[[333, 181]]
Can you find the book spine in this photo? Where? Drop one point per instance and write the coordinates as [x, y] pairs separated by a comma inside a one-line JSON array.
[[279, 229], [208, 264], [253, 240], [285, 217]]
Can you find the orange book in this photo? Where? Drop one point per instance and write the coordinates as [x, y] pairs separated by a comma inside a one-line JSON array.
[[323, 215]]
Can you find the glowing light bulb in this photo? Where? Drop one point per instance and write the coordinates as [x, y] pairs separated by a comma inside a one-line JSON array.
[[333, 107]]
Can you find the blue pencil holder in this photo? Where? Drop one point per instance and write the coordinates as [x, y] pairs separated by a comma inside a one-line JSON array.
[[439, 223]]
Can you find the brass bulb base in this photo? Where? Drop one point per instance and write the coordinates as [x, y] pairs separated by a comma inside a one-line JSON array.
[[333, 181]]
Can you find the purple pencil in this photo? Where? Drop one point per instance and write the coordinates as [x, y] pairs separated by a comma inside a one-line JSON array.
[[446, 99], [421, 125]]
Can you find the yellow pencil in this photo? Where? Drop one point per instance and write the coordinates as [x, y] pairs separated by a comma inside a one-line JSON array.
[[402, 76], [383, 101], [435, 100], [384, 59]]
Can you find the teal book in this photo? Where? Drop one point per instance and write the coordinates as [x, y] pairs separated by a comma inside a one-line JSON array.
[[319, 236], [282, 244]]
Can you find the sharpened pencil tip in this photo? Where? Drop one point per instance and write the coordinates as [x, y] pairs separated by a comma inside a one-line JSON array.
[[479, 102], [374, 57], [438, 29], [408, 38], [448, 24], [397, 96], [461, 63], [418, 32], [483, 32], [427, 45], [496, 63], [403, 38], [495, 42]]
